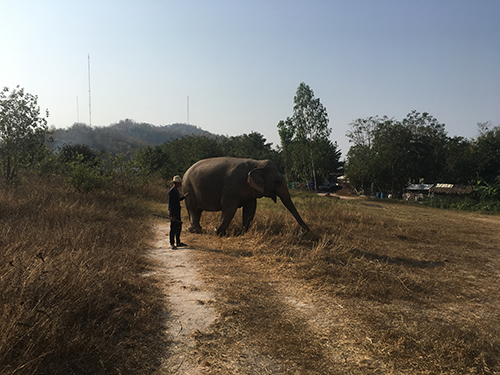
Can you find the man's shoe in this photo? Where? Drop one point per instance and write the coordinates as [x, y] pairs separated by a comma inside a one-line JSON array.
[[180, 244], [173, 247]]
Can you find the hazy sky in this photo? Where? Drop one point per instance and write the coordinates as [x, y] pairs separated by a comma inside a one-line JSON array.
[[240, 62]]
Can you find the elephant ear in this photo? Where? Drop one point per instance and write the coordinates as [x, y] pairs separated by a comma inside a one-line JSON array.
[[256, 180]]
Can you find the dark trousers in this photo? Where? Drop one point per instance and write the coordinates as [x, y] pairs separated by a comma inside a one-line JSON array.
[[175, 232]]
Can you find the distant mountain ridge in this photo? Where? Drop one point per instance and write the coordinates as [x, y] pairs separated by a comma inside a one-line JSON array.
[[124, 136]]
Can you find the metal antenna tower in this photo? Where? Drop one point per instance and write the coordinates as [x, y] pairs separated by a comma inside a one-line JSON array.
[[90, 100], [188, 110], [77, 111]]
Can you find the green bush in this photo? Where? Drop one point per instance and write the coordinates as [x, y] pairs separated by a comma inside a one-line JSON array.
[[85, 178]]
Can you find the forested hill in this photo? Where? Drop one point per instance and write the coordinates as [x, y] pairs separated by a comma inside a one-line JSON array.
[[124, 136]]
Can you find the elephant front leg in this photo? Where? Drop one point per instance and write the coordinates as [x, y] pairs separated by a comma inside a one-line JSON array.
[[194, 219], [249, 213]]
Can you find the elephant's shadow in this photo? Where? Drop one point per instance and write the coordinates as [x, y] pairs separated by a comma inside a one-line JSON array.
[[396, 260]]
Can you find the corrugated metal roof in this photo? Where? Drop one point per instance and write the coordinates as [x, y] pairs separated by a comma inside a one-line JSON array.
[[419, 186]]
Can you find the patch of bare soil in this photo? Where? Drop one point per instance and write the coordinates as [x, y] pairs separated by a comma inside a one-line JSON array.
[[234, 314]]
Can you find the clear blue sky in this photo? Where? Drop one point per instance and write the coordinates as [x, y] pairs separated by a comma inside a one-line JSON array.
[[240, 62]]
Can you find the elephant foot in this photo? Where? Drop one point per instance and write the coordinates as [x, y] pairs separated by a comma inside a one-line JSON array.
[[220, 232], [195, 229]]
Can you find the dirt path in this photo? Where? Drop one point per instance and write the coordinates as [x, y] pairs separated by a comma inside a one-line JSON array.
[[236, 315], [190, 302]]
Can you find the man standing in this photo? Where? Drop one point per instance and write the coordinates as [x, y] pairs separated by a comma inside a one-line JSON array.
[[174, 208]]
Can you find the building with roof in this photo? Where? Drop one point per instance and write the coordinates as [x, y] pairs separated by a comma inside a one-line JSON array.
[[450, 189]]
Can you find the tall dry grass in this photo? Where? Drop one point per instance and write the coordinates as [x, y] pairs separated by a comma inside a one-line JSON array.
[[424, 282], [74, 298]]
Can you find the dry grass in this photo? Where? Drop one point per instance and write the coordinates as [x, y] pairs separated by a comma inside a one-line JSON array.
[[73, 300], [420, 283], [397, 288]]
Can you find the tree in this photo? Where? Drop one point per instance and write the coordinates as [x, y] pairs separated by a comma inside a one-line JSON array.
[[175, 157], [460, 167], [78, 153], [361, 155], [286, 136], [387, 153], [305, 137], [487, 154], [361, 130], [359, 166], [251, 146], [22, 131], [392, 149], [428, 146]]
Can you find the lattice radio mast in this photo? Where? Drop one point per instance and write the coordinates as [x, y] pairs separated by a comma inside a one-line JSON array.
[[188, 110], [90, 100]]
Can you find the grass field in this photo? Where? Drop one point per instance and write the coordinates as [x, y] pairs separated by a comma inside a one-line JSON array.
[[75, 298]]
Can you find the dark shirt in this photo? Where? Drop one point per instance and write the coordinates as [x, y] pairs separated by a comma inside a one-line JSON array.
[[174, 203]]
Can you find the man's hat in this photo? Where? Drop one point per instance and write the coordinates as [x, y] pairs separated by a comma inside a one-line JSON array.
[[177, 179]]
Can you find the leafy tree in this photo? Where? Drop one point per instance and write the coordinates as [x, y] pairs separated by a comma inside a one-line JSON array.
[[361, 155], [78, 153], [392, 164], [487, 154], [285, 132], [186, 151], [428, 146], [175, 157], [460, 166], [361, 130], [22, 131], [359, 166], [251, 146], [387, 153], [305, 138], [328, 158], [152, 159]]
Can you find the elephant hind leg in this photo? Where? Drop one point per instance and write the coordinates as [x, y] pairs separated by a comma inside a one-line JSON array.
[[249, 213], [226, 217]]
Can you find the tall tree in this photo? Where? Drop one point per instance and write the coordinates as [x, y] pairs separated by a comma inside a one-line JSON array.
[[305, 135], [460, 167], [286, 136], [22, 130], [487, 154], [361, 155], [428, 146]]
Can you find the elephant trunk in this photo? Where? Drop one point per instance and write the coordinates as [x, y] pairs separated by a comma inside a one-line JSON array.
[[287, 201]]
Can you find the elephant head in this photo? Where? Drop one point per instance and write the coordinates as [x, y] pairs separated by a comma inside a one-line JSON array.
[[269, 182]]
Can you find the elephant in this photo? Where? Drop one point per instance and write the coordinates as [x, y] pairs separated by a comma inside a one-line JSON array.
[[226, 183]]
